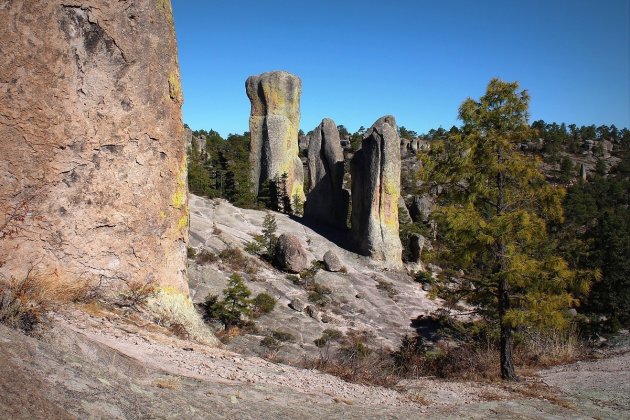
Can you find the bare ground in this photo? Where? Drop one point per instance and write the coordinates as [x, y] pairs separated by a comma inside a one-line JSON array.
[[106, 366]]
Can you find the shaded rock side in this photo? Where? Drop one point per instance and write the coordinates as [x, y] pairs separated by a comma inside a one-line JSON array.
[[375, 170], [274, 124], [290, 255], [92, 159], [327, 201]]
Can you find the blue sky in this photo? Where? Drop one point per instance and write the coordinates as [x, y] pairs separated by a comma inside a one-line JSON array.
[[415, 59]]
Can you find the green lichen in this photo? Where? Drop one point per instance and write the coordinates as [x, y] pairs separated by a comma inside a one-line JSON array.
[[178, 200], [171, 306], [182, 224], [175, 85]]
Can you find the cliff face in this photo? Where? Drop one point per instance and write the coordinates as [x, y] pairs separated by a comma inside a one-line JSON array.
[[92, 159]]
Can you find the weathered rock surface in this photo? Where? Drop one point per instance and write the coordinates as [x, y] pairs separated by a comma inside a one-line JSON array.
[[297, 305], [327, 201], [92, 159], [274, 124], [375, 171], [421, 208], [290, 254], [332, 261], [416, 244]]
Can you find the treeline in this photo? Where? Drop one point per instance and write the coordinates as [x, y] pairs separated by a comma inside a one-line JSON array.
[[222, 169]]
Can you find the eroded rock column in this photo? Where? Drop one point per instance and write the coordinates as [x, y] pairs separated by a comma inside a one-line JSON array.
[[327, 201], [92, 160], [274, 124], [375, 170]]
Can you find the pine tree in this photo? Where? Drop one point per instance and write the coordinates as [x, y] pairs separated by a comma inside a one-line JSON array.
[[269, 233], [492, 217], [235, 303]]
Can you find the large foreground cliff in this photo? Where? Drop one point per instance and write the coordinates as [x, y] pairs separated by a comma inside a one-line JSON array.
[[92, 161]]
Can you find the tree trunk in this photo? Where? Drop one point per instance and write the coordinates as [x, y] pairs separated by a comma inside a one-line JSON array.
[[506, 339]]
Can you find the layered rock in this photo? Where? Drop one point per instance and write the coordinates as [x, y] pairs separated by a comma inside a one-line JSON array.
[[92, 159], [327, 201], [375, 171], [274, 124]]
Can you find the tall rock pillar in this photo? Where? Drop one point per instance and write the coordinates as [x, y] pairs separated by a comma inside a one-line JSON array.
[[274, 124], [327, 201], [375, 170], [92, 160]]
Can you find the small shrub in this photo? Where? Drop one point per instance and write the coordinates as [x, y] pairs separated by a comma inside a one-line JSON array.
[[271, 343], [423, 277], [263, 303], [256, 246], [234, 306], [387, 287], [191, 252], [319, 294], [206, 257], [295, 279], [24, 302], [136, 295], [283, 336], [236, 260], [328, 335]]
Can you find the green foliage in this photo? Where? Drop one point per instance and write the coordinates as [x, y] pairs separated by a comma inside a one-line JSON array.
[[270, 226], [263, 303], [233, 307], [596, 238], [283, 336], [223, 169], [190, 252], [567, 170], [328, 335], [493, 216], [271, 343]]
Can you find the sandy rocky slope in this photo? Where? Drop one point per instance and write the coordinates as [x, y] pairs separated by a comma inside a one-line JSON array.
[[97, 363]]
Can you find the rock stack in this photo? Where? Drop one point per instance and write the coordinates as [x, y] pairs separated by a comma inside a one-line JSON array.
[[327, 201], [274, 123], [375, 171], [92, 156]]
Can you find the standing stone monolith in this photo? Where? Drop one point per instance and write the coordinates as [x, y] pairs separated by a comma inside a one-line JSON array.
[[274, 124], [327, 201], [92, 159], [375, 171]]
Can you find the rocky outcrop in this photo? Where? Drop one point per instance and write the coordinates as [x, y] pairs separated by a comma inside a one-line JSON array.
[[327, 201], [421, 208], [375, 171], [289, 254], [92, 159], [274, 123], [416, 245]]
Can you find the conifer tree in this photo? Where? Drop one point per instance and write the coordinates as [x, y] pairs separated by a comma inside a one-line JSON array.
[[235, 303], [492, 216]]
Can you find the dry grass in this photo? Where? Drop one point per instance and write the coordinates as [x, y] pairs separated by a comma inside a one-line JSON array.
[[539, 391], [168, 382], [24, 302], [236, 260]]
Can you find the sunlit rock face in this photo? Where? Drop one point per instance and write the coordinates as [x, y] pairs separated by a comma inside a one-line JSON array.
[[375, 171], [92, 159], [327, 201], [274, 123]]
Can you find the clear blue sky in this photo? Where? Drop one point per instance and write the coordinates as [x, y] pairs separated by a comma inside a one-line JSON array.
[[415, 59]]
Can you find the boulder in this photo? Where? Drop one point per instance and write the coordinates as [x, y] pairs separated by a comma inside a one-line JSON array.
[[332, 261], [327, 201], [404, 217], [421, 208], [274, 123], [312, 312], [375, 170], [416, 244], [92, 154], [297, 305], [289, 254]]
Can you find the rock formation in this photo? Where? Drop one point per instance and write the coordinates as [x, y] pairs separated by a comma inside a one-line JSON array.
[[332, 262], [421, 208], [92, 160], [326, 201], [274, 124], [375, 171], [289, 253]]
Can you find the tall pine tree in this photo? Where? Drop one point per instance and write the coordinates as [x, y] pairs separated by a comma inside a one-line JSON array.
[[493, 212]]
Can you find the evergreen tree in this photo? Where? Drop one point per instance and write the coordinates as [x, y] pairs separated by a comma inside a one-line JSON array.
[[269, 233], [493, 214], [235, 303]]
